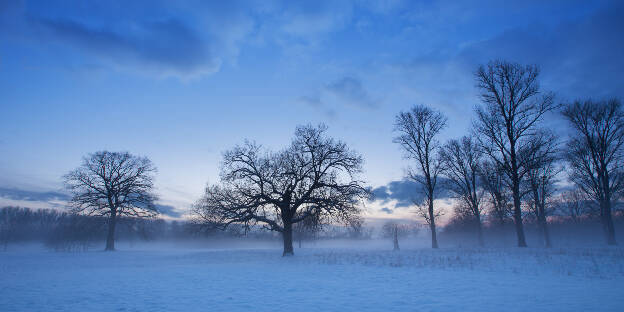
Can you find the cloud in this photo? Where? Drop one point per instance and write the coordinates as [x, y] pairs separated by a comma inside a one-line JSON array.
[[346, 90], [167, 46], [350, 89], [581, 58], [314, 101], [53, 199], [168, 211], [405, 193], [386, 210], [312, 18], [24, 195]]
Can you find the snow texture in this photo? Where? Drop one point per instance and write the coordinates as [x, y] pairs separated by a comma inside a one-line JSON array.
[[315, 279]]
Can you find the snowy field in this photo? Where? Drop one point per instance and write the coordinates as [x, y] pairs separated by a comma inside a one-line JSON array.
[[153, 278]]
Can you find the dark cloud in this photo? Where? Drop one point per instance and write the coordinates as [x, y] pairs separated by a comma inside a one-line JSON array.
[[406, 192], [579, 58], [351, 90], [167, 45], [168, 211], [17, 194], [386, 210]]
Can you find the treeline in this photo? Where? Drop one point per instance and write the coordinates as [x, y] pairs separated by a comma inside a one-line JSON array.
[[568, 223], [67, 231], [510, 166], [61, 230]]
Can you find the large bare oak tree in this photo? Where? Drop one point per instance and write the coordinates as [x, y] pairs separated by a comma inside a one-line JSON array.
[[417, 130], [513, 106], [596, 154], [315, 176], [113, 184]]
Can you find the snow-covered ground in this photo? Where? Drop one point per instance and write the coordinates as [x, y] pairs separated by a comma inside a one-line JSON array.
[[151, 278]]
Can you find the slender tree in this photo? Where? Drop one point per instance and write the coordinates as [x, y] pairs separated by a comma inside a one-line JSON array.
[[113, 184], [493, 180], [461, 161], [315, 175], [513, 106], [541, 179], [573, 203], [394, 231], [595, 154], [418, 130]]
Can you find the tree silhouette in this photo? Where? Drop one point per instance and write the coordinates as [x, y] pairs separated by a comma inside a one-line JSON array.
[[315, 175], [113, 184], [418, 130], [513, 106]]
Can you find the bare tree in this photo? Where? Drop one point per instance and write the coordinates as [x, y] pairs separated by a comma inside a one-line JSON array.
[[418, 130], [113, 184], [461, 161], [541, 178], [308, 228], [595, 154], [572, 203], [394, 230], [512, 109], [315, 175], [493, 180]]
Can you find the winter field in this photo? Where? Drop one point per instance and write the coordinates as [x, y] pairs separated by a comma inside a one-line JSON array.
[[177, 277]]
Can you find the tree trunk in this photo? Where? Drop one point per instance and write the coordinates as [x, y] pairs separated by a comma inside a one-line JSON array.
[[547, 242], [110, 239], [434, 238], [396, 238], [518, 214], [544, 227], [288, 239], [608, 223], [480, 232]]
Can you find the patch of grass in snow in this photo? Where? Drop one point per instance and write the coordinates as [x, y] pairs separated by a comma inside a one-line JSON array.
[[585, 262]]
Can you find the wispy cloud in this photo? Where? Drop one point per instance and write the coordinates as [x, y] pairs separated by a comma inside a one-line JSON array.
[[167, 46], [26, 195], [57, 199], [351, 90]]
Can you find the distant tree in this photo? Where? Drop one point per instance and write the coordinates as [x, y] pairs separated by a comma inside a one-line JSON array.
[[513, 106], [315, 175], [493, 180], [113, 184], [9, 224], [573, 203], [73, 232], [308, 228], [596, 154], [418, 129], [395, 230], [461, 164], [357, 229], [541, 178]]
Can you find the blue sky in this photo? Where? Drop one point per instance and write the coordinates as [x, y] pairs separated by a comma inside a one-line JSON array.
[[182, 81]]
